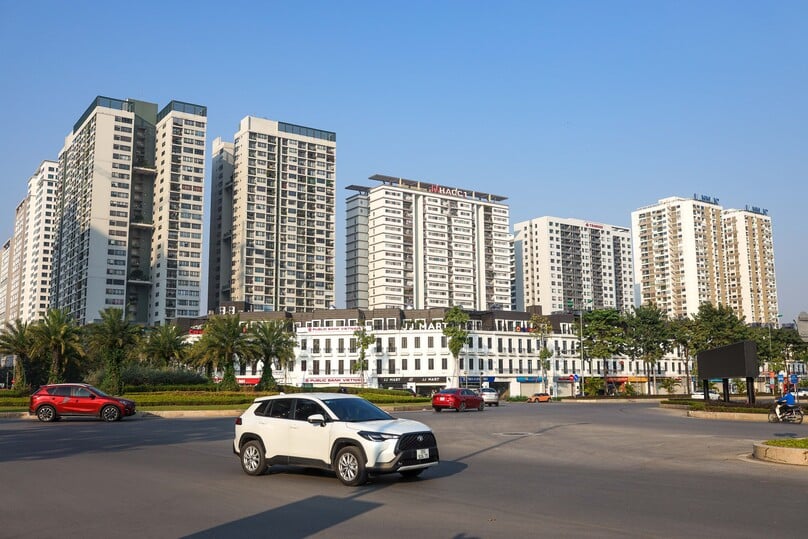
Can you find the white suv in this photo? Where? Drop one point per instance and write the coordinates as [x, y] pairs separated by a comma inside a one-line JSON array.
[[331, 431]]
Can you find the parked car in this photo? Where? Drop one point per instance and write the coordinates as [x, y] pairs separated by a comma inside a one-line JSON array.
[[540, 397], [714, 395], [332, 431], [53, 401], [456, 398], [490, 396], [802, 392]]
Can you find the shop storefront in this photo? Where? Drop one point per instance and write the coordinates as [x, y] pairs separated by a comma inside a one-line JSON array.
[[422, 385]]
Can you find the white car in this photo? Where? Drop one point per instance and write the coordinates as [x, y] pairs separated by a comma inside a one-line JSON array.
[[490, 396], [802, 392], [333, 431], [714, 395]]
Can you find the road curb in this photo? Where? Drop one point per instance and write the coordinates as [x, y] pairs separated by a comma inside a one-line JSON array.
[[728, 416], [780, 455]]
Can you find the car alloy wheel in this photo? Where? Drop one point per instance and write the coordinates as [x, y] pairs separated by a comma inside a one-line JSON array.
[[481, 407], [252, 458], [46, 414], [462, 407], [110, 413], [350, 467]]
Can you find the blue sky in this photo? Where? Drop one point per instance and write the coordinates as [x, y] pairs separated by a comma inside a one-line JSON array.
[[584, 109]]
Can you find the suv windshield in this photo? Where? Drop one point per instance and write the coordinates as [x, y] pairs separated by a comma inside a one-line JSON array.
[[356, 410]]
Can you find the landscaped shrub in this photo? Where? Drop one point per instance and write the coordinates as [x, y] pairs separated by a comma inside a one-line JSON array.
[[144, 375]]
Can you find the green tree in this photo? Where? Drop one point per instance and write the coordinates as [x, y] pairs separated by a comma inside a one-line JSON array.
[[15, 339], [682, 331], [223, 343], [114, 338], [540, 326], [604, 336], [649, 336], [716, 326], [272, 341], [58, 336], [164, 346], [455, 322], [363, 340]]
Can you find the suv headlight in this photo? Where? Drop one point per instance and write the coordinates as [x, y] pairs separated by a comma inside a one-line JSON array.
[[377, 436]]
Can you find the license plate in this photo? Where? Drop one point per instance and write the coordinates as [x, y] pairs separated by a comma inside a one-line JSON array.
[[422, 454]]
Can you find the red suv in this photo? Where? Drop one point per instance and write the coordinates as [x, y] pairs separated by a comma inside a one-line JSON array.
[[51, 402]]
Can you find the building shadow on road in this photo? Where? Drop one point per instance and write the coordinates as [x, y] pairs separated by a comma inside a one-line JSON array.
[[299, 519]]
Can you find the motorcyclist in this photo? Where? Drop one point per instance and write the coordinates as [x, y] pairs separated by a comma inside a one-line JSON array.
[[784, 404]]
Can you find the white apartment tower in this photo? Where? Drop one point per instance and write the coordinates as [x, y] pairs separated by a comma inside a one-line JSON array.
[[573, 264], [356, 248], [427, 246], [17, 263], [130, 211], [749, 252], [272, 246], [678, 254], [692, 251], [5, 255], [40, 234]]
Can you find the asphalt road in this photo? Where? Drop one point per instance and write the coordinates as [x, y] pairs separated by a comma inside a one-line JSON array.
[[554, 470]]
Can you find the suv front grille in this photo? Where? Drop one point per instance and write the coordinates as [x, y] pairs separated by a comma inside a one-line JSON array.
[[417, 440]]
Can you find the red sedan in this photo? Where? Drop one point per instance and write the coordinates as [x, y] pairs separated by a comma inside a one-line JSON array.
[[456, 398]]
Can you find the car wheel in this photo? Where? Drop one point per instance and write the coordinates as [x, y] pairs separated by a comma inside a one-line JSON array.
[[351, 467], [252, 458], [496, 404], [110, 413], [481, 407], [461, 407], [46, 414], [437, 409], [411, 474]]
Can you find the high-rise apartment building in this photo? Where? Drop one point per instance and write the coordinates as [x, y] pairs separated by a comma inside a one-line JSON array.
[[39, 241], [425, 245], [17, 263], [692, 251], [749, 253], [573, 264], [221, 223], [272, 243], [129, 215], [5, 255]]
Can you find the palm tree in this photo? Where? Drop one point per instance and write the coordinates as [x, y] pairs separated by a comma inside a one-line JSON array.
[[272, 341], [15, 339], [113, 338], [165, 346], [454, 327], [363, 340], [540, 326], [222, 344], [57, 335]]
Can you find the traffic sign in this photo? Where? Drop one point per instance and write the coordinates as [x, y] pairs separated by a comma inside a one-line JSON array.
[[572, 378], [794, 379], [575, 377], [780, 378]]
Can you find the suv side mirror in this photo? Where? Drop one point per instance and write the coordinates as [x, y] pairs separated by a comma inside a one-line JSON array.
[[315, 419]]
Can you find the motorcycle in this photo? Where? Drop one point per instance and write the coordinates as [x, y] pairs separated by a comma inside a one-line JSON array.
[[791, 414]]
